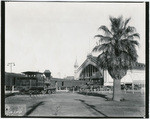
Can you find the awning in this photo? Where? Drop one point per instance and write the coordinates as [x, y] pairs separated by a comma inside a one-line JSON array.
[[31, 73], [108, 84]]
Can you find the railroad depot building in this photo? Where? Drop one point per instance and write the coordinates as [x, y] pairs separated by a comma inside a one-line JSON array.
[[90, 71]]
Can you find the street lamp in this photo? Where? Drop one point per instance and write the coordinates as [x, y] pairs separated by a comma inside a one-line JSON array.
[[11, 64]]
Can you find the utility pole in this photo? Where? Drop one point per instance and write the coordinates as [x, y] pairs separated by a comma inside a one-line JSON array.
[[11, 64]]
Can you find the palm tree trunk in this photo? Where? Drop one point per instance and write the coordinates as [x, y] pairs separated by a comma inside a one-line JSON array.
[[116, 90]]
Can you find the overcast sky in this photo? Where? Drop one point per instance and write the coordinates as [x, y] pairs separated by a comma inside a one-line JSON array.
[[49, 35]]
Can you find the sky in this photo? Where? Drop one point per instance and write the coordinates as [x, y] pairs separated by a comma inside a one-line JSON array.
[[52, 35]]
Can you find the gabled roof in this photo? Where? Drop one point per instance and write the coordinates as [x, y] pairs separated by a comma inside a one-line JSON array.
[[137, 66], [91, 58]]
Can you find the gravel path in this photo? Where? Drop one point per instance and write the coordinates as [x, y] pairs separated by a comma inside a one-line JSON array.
[[73, 104]]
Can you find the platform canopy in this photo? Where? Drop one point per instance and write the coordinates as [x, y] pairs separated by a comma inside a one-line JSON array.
[[31, 73]]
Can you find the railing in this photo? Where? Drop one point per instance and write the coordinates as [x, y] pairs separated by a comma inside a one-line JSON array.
[[6, 92], [103, 90]]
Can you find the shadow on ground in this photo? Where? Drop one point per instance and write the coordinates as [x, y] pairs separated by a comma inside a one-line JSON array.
[[33, 108], [91, 107], [10, 94], [93, 94]]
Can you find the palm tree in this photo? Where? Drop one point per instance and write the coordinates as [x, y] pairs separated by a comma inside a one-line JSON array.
[[118, 47]]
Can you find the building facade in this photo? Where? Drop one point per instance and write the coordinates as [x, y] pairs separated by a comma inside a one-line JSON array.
[[90, 71], [67, 84], [134, 76]]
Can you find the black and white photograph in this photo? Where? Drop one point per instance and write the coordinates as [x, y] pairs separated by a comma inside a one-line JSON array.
[[75, 59]]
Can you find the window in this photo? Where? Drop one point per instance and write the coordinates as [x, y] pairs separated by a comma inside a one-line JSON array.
[[62, 83]]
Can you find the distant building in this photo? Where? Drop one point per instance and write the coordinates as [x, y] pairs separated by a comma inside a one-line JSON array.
[[63, 84], [134, 76], [69, 77], [90, 71]]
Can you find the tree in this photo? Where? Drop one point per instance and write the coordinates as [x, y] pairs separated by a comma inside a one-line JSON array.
[[118, 47]]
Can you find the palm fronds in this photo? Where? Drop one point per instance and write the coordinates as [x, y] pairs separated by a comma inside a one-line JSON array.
[[118, 45], [132, 36], [103, 38], [106, 30]]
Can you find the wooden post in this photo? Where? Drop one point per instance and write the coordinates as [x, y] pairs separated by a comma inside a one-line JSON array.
[[30, 82], [56, 86], [12, 88], [73, 89], [132, 87], [125, 90]]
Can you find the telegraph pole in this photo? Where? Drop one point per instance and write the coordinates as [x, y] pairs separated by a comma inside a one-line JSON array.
[[11, 64]]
